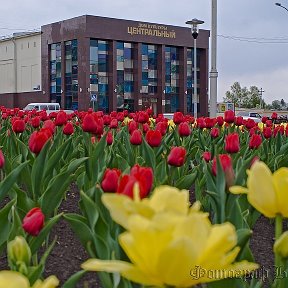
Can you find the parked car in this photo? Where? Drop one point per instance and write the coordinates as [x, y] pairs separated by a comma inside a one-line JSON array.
[[252, 115], [49, 107]]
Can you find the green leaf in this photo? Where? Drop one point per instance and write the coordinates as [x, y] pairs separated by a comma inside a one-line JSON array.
[[149, 155], [56, 156], [38, 171], [5, 224], [16, 229], [36, 242], [10, 180], [80, 227], [74, 279], [54, 193], [34, 272], [186, 181], [161, 172], [91, 210]]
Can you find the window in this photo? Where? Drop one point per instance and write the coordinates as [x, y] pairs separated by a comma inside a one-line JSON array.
[[71, 74], [55, 72]]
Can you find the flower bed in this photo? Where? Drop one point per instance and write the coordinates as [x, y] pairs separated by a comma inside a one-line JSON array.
[[121, 159]]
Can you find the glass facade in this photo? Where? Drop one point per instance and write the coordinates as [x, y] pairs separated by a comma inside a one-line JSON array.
[[190, 79], [125, 84], [55, 72], [149, 69], [99, 69], [171, 79], [71, 75]]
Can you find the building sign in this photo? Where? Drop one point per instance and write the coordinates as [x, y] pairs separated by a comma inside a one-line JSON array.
[[151, 30]]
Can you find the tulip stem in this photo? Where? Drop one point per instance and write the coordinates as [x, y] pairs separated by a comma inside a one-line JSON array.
[[278, 260]]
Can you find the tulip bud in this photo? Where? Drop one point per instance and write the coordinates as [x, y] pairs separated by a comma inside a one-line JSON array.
[[184, 129], [110, 180], [206, 156], [226, 164], [229, 116], [232, 144], [136, 137], [281, 245], [19, 251], [33, 222], [2, 159], [177, 156]]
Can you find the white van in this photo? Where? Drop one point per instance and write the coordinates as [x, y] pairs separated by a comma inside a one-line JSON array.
[[49, 107]]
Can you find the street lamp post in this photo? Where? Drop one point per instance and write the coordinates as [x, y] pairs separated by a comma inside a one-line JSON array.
[[194, 29], [213, 72], [280, 5]]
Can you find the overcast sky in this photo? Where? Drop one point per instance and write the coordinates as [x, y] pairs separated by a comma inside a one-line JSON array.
[[248, 62]]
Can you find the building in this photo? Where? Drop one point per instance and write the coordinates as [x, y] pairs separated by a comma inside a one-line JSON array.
[[111, 64], [20, 68]]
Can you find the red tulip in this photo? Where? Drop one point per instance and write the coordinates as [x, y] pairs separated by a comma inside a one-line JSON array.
[[177, 156], [145, 127], [132, 125], [226, 164], [18, 126], [33, 222], [229, 116], [141, 175], [264, 119], [89, 124], [143, 117], [255, 141], [201, 123], [184, 129], [238, 121], [110, 180], [35, 122], [269, 123], [209, 122], [250, 123], [106, 119], [136, 137], [109, 138], [206, 156], [38, 139], [220, 121], [120, 116], [61, 118], [114, 123], [153, 138], [178, 117], [68, 129], [2, 159], [232, 144], [274, 116], [49, 124], [214, 132], [162, 127]]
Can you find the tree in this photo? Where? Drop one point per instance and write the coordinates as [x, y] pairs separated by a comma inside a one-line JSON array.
[[276, 104], [242, 97]]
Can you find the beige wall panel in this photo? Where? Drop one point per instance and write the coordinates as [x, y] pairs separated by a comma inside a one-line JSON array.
[[6, 78], [25, 78]]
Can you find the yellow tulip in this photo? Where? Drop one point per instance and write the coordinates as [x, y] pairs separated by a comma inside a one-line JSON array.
[[13, 279], [50, 282], [265, 191], [121, 207], [170, 243], [281, 245]]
